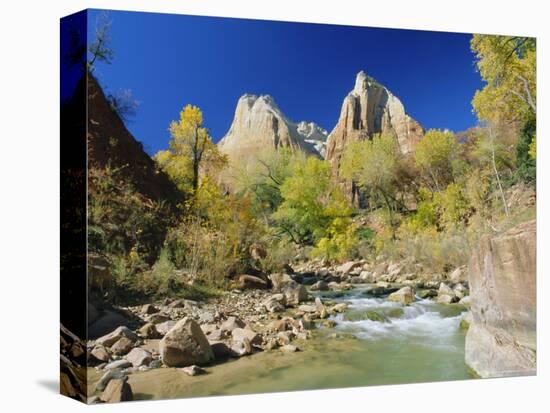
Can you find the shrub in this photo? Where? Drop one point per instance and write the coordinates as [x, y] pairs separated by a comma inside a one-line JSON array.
[[121, 220], [279, 254]]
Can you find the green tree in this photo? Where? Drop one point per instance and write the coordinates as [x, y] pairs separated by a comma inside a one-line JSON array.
[[264, 177], [314, 210]]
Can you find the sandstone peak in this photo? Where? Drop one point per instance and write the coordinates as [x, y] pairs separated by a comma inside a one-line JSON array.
[[371, 108], [368, 109], [363, 82], [260, 124]]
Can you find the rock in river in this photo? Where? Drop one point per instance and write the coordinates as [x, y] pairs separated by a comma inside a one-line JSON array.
[[404, 296], [118, 390], [295, 293], [139, 357]]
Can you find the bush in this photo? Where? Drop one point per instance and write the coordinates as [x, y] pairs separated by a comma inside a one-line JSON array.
[[121, 220], [205, 253], [436, 251], [279, 254]]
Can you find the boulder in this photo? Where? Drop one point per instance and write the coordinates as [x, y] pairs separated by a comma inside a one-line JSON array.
[[148, 330], [118, 364], [319, 286], [185, 344], [367, 277], [446, 299], [122, 346], [107, 376], [165, 327], [109, 339], [231, 324], [347, 267], [275, 303], [446, 295], [239, 334], [278, 325], [501, 340], [139, 357], [252, 282], [404, 296], [118, 390], [280, 280], [339, 308], [295, 293], [100, 353], [241, 347]]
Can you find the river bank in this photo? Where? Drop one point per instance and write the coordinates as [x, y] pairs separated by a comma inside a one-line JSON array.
[[326, 335]]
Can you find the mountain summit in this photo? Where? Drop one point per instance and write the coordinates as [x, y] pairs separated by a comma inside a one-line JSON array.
[[368, 109], [259, 124]]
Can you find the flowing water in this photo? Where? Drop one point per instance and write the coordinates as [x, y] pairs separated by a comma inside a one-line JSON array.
[[421, 342]]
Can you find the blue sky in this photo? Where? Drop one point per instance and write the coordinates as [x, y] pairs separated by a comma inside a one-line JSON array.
[[169, 61]]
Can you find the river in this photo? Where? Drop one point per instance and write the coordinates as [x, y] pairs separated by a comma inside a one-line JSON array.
[[421, 342]]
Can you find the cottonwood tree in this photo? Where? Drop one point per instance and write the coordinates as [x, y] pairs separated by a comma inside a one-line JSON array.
[[314, 211], [191, 152], [434, 154], [508, 66], [374, 165], [492, 154]]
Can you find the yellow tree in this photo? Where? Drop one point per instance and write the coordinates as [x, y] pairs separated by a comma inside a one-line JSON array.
[[191, 152], [434, 153], [508, 66]]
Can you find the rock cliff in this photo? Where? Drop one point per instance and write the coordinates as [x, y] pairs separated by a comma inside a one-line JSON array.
[[259, 124], [501, 340], [110, 143]]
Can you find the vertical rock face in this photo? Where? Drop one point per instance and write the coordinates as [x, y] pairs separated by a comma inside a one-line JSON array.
[[368, 109], [501, 340], [259, 124]]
